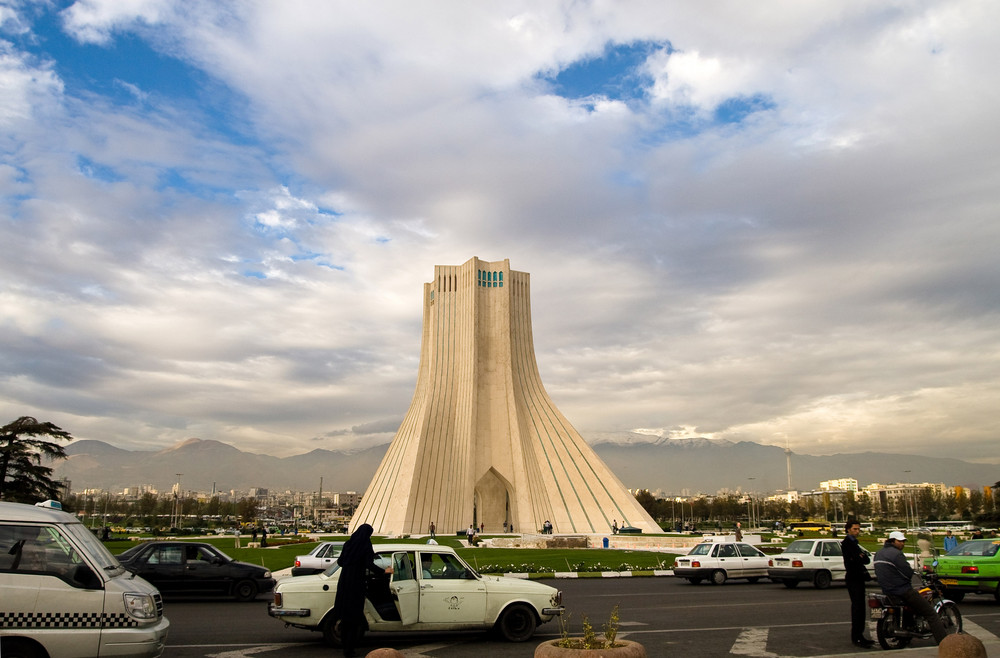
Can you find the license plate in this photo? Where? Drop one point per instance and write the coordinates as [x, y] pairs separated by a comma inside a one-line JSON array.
[[877, 613], [948, 581]]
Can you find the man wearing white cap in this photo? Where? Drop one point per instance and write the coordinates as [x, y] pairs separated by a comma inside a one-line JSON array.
[[895, 577]]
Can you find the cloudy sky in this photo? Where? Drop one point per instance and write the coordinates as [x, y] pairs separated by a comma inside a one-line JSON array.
[[774, 222]]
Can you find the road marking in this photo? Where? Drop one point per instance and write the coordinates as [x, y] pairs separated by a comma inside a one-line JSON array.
[[752, 642], [249, 651], [419, 651]]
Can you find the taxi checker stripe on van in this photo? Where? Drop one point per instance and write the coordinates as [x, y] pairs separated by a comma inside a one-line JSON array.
[[65, 620]]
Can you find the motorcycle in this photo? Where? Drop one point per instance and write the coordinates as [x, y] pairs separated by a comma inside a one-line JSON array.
[[897, 625]]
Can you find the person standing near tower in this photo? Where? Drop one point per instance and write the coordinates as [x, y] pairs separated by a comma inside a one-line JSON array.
[[356, 560], [432, 530]]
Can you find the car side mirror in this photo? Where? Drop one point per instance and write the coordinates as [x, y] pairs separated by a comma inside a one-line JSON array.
[[84, 577]]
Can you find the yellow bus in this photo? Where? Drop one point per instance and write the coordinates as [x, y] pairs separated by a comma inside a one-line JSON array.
[[811, 526]]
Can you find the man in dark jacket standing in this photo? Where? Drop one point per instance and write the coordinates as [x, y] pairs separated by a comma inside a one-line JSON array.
[[855, 559], [895, 577]]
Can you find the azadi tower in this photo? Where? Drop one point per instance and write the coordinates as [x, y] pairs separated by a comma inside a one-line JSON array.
[[482, 442]]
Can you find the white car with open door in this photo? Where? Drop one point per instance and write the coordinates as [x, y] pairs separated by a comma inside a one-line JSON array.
[[431, 589]]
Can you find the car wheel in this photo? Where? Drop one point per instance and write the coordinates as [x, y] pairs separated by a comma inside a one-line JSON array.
[[245, 590], [822, 579], [331, 631], [517, 623], [790, 583], [718, 577], [11, 647], [694, 581], [996, 592], [885, 631]]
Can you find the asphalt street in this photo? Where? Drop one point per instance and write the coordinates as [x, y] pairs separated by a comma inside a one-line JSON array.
[[668, 616]]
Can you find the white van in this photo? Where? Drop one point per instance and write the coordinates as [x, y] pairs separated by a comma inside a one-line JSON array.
[[63, 595]]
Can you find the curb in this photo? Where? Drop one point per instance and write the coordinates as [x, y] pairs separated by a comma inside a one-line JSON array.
[[588, 574]]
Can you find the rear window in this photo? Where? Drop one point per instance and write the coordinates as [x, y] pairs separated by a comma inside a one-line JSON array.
[[701, 549], [746, 550], [800, 546], [976, 548]]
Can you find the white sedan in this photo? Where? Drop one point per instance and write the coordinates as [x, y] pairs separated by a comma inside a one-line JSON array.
[[319, 559], [817, 561], [721, 561], [431, 589]]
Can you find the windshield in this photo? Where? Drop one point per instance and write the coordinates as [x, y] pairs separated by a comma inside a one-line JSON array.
[[101, 556], [800, 546]]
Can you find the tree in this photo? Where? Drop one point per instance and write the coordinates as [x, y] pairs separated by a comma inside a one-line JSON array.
[[23, 478]]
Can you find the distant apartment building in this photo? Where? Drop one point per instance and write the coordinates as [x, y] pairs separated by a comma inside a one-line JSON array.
[[841, 484], [784, 497]]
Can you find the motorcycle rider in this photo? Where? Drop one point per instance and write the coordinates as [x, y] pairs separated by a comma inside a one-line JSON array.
[[895, 576]]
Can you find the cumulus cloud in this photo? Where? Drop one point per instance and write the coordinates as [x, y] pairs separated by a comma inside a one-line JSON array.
[[784, 231]]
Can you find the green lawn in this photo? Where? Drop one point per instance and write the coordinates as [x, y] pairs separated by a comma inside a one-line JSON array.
[[539, 561]]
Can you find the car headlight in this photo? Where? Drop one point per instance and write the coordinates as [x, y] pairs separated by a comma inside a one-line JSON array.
[[267, 574], [140, 606]]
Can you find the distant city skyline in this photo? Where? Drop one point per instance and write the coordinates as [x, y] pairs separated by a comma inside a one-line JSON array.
[[768, 223]]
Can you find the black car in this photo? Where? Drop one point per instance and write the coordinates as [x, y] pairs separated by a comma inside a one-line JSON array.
[[190, 569]]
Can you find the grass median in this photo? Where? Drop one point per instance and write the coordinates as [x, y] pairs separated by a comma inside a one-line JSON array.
[[541, 562]]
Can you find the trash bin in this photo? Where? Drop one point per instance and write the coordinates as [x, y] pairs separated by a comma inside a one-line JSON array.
[[606, 543]]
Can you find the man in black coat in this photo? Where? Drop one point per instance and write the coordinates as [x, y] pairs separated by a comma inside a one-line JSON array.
[[855, 559]]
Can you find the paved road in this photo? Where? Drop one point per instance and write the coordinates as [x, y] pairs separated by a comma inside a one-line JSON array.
[[668, 616]]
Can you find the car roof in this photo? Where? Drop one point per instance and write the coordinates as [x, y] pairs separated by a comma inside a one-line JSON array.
[[33, 514], [425, 548]]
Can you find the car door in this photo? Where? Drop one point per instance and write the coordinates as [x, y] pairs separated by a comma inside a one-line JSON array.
[[728, 559], [832, 558], [754, 561], [326, 556], [405, 588], [205, 572], [163, 566], [450, 593], [40, 590]]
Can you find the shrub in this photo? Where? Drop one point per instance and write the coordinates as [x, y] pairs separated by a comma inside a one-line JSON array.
[[590, 640]]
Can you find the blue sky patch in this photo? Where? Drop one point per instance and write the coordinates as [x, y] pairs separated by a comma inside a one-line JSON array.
[[616, 74], [97, 171], [735, 110]]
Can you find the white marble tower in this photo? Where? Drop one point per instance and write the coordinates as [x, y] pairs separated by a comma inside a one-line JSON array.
[[482, 441]]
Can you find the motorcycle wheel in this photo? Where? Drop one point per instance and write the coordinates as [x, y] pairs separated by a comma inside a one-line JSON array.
[[885, 632], [951, 617]]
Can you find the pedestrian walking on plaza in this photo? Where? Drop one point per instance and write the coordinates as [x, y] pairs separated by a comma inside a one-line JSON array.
[[739, 531], [356, 559], [855, 559], [432, 530], [950, 541], [263, 537], [236, 534], [614, 526]]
